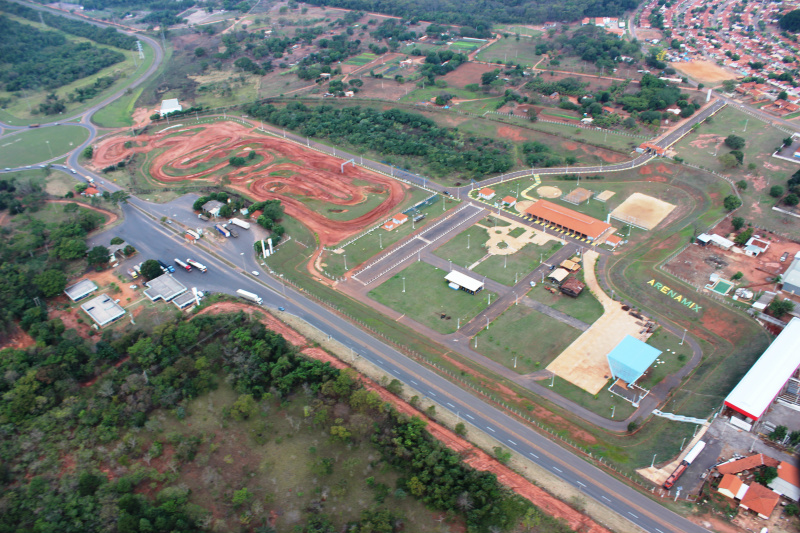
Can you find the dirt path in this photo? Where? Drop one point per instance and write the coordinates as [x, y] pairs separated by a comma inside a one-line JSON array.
[[472, 455]]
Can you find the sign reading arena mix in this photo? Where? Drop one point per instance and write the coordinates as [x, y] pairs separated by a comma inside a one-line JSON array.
[[663, 289]]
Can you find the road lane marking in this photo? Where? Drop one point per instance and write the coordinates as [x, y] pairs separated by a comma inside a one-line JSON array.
[[659, 531], [581, 484], [414, 382], [450, 404], [490, 429], [395, 371], [606, 499], [557, 470], [633, 515], [533, 455], [471, 417], [432, 393], [512, 442]]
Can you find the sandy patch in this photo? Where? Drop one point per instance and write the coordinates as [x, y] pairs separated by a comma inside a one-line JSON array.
[[507, 132], [605, 196], [522, 205], [642, 211], [547, 191], [703, 71], [514, 244]]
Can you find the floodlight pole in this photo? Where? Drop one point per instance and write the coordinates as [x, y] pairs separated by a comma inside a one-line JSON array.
[[467, 241], [684, 336], [682, 443], [553, 379], [653, 462], [487, 322], [404, 284], [345, 262], [613, 408], [515, 361], [380, 240], [476, 341]]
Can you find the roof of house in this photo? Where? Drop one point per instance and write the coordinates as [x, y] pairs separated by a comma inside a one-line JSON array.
[[573, 285], [748, 463], [789, 472], [630, 358], [760, 499], [462, 280], [567, 218], [766, 378], [80, 290], [730, 483], [165, 287], [763, 245], [400, 217], [509, 200], [91, 191], [559, 274], [788, 481], [792, 274], [486, 191], [210, 205], [103, 309], [168, 106], [613, 240], [569, 265]]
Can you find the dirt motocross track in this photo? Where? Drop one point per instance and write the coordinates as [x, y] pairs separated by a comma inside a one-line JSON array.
[[286, 169]]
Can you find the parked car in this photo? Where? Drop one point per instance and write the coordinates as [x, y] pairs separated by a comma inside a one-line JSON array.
[[784, 257]]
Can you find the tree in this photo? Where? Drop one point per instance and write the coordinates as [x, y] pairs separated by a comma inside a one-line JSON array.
[[741, 185], [150, 269], [766, 474], [488, 77], [71, 249], [737, 223], [729, 85], [51, 282], [237, 161], [88, 152], [791, 199], [790, 21], [744, 236], [199, 51], [129, 250], [734, 142], [117, 240], [778, 308], [241, 497], [776, 191], [788, 141], [737, 276], [783, 95], [732, 202], [728, 161], [244, 407], [98, 255]]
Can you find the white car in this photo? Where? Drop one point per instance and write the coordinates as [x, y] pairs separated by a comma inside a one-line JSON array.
[[255, 272]]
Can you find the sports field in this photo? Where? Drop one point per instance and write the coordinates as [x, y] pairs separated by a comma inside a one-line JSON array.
[[428, 299], [40, 144], [522, 52], [531, 337], [361, 59]]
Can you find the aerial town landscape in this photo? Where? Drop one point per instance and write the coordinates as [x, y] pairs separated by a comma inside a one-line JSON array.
[[356, 266]]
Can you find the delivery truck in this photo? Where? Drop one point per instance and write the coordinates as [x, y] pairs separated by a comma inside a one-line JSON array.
[[241, 223], [199, 266], [222, 230], [249, 296], [183, 265]]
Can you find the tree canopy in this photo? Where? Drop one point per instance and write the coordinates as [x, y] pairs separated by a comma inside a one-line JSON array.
[[790, 21]]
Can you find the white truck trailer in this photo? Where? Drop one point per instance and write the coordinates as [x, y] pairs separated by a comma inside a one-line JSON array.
[[249, 296], [241, 223]]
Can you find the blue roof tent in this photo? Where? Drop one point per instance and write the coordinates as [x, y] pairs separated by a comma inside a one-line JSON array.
[[631, 358]]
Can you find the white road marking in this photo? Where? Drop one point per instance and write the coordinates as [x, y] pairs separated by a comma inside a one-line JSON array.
[[633, 515], [396, 372], [606, 499], [490, 429], [450, 404], [512, 442], [558, 470], [659, 531], [470, 417], [533, 455]]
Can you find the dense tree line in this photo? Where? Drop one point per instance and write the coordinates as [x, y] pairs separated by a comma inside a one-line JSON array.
[[592, 44], [35, 58], [540, 155], [101, 35], [444, 151], [481, 14]]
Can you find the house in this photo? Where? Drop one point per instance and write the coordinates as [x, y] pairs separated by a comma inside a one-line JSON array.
[[613, 241], [90, 192], [103, 310], [509, 201], [486, 194], [80, 290], [787, 483], [764, 300], [705, 239], [325, 75], [212, 207], [748, 463], [170, 106], [566, 219], [791, 278], [395, 221], [755, 246], [760, 500], [572, 266], [558, 275], [730, 486], [572, 287]]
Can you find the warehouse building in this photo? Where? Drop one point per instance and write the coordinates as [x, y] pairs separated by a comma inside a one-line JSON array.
[[170, 106], [103, 310], [791, 278], [567, 220], [773, 376], [164, 287], [80, 290]]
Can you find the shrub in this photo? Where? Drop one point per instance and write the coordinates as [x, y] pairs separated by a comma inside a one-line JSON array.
[[732, 202], [792, 200], [737, 223], [776, 191]]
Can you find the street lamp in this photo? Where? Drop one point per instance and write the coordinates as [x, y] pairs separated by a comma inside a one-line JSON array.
[[653, 462], [48, 147], [684, 336], [516, 298], [404, 284], [613, 407]]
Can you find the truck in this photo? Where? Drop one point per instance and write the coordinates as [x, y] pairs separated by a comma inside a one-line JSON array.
[[241, 223], [222, 230], [199, 266], [194, 234], [201, 216], [690, 457], [249, 296], [183, 265], [165, 267], [232, 232]]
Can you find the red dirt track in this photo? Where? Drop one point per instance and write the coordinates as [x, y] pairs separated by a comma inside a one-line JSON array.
[[308, 174]]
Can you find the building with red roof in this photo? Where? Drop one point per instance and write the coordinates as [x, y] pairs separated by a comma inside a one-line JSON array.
[[567, 219], [510, 201], [760, 500], [788, 481], [486, 193], [748, 463], [730, 486]]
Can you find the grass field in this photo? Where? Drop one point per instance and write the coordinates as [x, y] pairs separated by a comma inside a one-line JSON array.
[[18, 112], [585, 307], [56, 183], [508, 269], [465, 46], [511, 28], [361, 59], [426, 94], [40, 144], [529, 336], [672, 362], [520, 51], [428, 297], [466, 247]]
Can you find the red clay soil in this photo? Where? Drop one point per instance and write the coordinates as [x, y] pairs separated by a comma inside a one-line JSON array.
[[467, 73], [310, 174], [472, 455], [645, 170], [18, 340], [510, 133], [664, 169]]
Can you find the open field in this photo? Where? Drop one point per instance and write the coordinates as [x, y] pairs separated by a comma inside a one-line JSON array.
[[467, 73], [466, 247], [521, 52], [302, 172], [703, 71], [36, 145], [428, 298], [585, 307], [361, 59], [55, 183], [642, 210], [18, 112], [529, 336], [512, 28], [700, 146]]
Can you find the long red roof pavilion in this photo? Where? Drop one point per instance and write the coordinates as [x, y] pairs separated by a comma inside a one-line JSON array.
[[566, 218]]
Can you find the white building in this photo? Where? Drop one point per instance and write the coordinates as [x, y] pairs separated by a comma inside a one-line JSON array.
[[170, 106]]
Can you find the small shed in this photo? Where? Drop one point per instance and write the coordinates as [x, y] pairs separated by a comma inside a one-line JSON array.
[[755, 247], [558, 275], [572, 266], [103, 310], [212, 207], [80, 290], [509, 201], [457, 280], [170, 106], [613, 241], [764, 300], [572, 287], [630, 359]]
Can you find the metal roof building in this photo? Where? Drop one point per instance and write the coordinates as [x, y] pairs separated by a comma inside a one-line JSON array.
[[769, 375], [631, 358], [170, 106], [80, 290], [165, 287], [458, 280], [103, 309], [791, 278]]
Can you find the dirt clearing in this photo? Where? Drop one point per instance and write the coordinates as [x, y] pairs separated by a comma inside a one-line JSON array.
[[467, 73], [703, 71], [642, 211]]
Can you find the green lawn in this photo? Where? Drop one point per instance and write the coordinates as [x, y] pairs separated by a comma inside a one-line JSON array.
[[672, 362], [55, 183], [466, 247], [533, 338], [585, 307], [426, 94], [40, 144], [361, 59], [428, 297], [510, 28], [508, 269], [520, 51]]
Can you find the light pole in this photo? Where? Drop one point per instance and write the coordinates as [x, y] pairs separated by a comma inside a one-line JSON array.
[[613, 407], [380, 240], [653, 462], [345, 262], [684, 336], [516, 298], [404, 284], [515, 361], [553, 379], [487, 322], [450, 262], [467, 241], [242, 254], [505, 261], [48, 147]]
